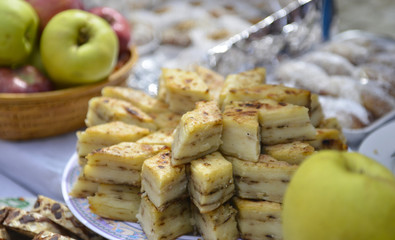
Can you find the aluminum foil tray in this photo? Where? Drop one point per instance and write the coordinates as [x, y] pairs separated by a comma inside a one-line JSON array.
[[287, 31], [354, 74]]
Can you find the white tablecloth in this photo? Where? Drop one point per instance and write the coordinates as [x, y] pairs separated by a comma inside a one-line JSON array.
[[28, 168]]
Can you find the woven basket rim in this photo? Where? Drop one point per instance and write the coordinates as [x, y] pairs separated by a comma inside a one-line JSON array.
[[80, 90]]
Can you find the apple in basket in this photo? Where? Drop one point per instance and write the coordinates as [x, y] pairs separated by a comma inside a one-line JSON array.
[[26, 79], [78, 47], [340, 195], [46, 9], [119, 24], [18, 31]]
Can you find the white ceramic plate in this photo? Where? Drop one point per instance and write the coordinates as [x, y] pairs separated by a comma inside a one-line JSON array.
[[380, 145], [110, 229]]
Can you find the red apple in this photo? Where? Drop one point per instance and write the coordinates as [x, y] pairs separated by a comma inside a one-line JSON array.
[[26, 79], [46, 9], [118, 23]]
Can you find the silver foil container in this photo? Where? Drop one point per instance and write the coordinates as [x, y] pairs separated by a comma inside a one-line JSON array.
[[286, 33]]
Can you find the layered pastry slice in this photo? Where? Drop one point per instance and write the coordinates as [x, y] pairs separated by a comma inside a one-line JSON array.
[[167, 119], [160, 137], [213, 80], [181, 89], [241, 132], [138, 98], [105, 135], [219, 224], [120, 163], [161, 181], [198, 134], [293, 153], [83, 187], [315, 111], [251, 78], [329, 138], [258, 220], [210, 182], [284, 123], [266, 179], [61, 214], [330, 123], [105, 109], [170, 223], [118, 202], [278, 93]]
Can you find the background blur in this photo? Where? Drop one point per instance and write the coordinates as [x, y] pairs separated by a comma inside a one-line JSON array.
[[375, 16]]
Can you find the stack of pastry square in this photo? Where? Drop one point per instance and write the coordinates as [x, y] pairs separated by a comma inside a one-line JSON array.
[[121, 134], [211, 154], [118, 170], [164, 211], [268, 131], [193, 176]]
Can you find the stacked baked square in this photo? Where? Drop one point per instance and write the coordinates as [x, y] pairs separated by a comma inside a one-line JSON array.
[[209, 154]]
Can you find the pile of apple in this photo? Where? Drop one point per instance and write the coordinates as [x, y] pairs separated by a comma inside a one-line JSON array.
[[51, 44]]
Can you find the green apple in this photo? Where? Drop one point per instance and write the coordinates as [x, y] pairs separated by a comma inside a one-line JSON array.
[[78, 47], [342, 196], [18, 31]]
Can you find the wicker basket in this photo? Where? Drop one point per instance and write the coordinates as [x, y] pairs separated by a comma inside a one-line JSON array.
[[38, 115]]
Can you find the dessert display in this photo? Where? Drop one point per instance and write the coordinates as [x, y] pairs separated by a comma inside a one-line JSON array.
[[209, 155], [219, 170]]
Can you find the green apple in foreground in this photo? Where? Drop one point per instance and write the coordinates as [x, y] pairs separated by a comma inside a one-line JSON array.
[[78, 47], [18, 31], [340, 195]]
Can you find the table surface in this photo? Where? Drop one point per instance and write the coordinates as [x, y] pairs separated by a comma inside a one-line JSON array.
[[33, 167]]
